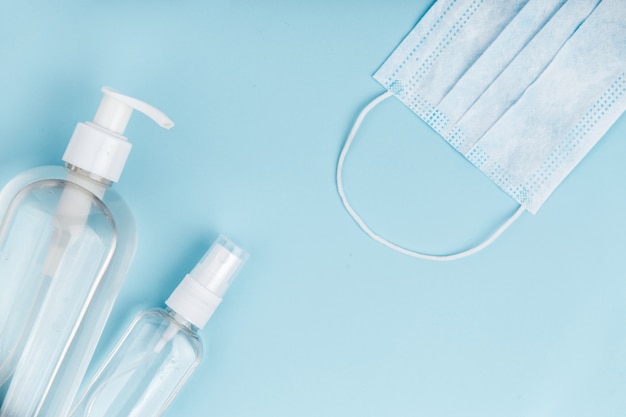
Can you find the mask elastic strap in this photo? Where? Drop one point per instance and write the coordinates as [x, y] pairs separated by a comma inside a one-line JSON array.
[[378, 238]]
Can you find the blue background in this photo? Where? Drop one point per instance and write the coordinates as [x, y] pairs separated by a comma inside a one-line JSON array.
[[323, 321]]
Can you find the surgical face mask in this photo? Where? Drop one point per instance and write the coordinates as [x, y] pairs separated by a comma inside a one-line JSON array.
[[523, 89]]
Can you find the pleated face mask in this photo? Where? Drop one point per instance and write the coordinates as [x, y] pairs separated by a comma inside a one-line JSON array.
[[522, 88]]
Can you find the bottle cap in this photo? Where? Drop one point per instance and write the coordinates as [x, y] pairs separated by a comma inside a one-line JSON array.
[[99, 147], [197, 296]]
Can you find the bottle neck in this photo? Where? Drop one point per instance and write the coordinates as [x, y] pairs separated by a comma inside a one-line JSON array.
[[88, 175]]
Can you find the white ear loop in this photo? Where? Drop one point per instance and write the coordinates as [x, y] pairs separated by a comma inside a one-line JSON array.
[[378, 238]]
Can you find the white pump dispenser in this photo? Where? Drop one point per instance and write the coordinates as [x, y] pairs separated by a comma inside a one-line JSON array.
[[66, 242], [99, 147]]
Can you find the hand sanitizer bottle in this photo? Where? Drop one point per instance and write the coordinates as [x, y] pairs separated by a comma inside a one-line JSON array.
[[66, 242], [161, 348]]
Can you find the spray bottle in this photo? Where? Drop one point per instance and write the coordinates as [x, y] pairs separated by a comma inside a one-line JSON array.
[[161, 348]]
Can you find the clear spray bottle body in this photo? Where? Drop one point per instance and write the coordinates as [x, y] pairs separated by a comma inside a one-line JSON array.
[[161, 348], [61, 270], [146, 369]]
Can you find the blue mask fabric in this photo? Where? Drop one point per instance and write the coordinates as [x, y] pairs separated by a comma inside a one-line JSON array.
[[431, 60], [499, 54], [523, 89], [515, 79]]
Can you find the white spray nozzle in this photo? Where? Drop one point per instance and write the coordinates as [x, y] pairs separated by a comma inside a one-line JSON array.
[[201, 291], [99, 147], [115, 111], [218, 267]]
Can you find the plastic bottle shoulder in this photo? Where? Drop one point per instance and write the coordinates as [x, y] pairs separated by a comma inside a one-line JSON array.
[[165, 321], [55, 176]]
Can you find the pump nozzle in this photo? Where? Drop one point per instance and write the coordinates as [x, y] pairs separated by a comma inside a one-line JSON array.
[[99, 147], [115, 111], [201, 291]]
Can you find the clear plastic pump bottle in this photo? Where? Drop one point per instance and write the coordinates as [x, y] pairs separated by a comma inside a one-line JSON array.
[[161, 348], [66, 242]]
